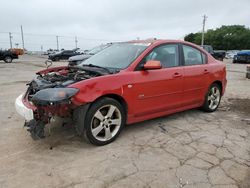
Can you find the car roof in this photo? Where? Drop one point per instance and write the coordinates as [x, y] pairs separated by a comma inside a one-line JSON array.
[[161, 41]]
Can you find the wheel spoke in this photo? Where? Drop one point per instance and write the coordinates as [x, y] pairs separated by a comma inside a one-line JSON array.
[[99, 115], [111, 111], [107, 133], [213, 90], [217, 93], [216, 103], [115, 121], [209, 98], [211, 104], [97, 130]]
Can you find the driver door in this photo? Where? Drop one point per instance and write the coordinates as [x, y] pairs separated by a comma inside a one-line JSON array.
[[159, 90]]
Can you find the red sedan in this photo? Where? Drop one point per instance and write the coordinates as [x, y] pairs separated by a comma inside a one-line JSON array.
[[126, 83]]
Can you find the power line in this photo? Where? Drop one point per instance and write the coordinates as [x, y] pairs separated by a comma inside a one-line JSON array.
[[63, 36]]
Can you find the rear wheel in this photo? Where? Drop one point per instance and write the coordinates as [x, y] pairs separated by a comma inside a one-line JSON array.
[[104, 121], [212, 99], [8, 59]]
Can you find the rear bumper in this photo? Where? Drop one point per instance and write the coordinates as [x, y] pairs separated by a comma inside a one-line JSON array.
[[21, 109]]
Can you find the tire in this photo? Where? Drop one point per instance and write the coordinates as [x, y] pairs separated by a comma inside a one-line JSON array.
[[55, 59], [104, 121], [212, 98], [8, 59], [234, 61]]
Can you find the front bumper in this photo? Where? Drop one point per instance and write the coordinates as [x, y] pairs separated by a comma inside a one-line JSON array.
[[22, 109]]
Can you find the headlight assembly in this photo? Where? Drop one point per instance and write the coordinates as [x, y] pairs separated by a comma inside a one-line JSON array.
[[52, 96]]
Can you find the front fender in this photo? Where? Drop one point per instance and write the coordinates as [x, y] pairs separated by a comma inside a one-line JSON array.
[[90, 90]]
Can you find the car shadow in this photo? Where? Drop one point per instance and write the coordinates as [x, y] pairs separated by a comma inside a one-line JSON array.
[[62, 133]]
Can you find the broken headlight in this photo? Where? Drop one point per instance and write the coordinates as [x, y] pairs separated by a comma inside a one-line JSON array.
[[53, 96]]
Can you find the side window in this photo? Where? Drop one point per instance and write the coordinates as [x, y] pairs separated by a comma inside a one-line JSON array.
[[192, 56], [168, 55]]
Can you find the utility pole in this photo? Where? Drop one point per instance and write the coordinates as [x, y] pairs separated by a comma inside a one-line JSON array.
[[203, 29], [10, 40], [76, 41], [57, 43], [22, 36]]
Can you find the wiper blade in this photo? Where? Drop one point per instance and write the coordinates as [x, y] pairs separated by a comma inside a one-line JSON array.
[[104, 68]]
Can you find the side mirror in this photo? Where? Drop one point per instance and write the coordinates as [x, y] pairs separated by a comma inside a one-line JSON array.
[[151, 65]]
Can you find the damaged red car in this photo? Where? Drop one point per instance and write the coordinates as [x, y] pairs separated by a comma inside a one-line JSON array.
[[126, 83]]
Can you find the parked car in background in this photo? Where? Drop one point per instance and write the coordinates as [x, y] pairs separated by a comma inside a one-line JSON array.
[[123, 84], [217, 54], [75, 60], [242, 57], [64, 54], [231, 53], [8, 55], [50, 51]]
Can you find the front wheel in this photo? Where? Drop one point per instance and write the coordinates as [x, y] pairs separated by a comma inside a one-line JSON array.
[[8, 59], [212, 98], [104, 121]]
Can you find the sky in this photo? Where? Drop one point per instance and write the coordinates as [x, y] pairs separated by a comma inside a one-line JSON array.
[[97, 22]]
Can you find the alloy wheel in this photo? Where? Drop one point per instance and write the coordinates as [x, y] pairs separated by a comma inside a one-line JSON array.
[[106, 122], [214, 98]]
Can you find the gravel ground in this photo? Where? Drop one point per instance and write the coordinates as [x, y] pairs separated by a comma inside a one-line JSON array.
[[188, 149]]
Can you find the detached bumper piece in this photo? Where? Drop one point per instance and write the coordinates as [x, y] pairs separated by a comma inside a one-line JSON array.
[[36, 129], [23, 110]]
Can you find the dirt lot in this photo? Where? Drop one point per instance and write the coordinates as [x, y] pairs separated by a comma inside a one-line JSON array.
[[188, 149]]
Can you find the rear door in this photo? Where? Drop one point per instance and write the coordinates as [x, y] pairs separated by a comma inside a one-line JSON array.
[[196, 75], [159, 90]]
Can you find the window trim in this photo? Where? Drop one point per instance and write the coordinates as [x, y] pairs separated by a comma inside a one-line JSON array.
[[180, 63], [201, 52]]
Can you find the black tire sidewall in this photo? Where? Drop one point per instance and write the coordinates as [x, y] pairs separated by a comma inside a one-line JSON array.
[[92, 110], [205, 106]]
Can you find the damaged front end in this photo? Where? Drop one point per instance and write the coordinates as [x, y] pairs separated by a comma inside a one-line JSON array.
[[49, 102], [49, 95]]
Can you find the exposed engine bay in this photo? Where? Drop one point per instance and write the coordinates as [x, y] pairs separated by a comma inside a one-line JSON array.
[[49, 93], [61, 78]]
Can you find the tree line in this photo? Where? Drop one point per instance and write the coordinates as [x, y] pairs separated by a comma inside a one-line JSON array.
[[232, 37]]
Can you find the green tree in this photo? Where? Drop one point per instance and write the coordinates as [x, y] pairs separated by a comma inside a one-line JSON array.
[[233, 37]]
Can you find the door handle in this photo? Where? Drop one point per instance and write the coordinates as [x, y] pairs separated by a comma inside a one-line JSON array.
[[206, 71], [177, 75]]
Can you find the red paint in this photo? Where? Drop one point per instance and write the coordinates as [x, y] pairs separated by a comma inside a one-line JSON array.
[[154, 93]]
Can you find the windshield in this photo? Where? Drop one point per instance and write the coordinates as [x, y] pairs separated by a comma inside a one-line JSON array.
[[97, 49], [117, 56]]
